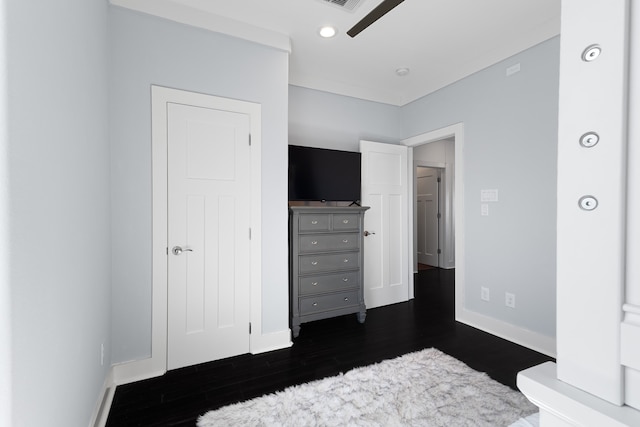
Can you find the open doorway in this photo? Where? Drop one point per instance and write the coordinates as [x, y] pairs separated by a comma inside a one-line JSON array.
[[433, 187], [440, 149]]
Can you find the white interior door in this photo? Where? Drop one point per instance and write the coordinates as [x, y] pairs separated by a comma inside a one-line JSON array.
[[384, 190], [209, 218], [427, 215]]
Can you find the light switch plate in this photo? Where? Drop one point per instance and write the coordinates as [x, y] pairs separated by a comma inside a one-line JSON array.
[[489, 195]]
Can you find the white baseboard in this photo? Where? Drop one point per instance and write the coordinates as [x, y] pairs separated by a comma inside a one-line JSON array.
[[137, 370], [524, 337], [269, 342], [103, 405], [143, 369]]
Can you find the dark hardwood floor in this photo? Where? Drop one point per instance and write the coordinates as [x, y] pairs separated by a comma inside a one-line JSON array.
[[324, 348]]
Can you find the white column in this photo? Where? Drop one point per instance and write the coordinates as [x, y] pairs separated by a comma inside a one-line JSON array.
[[591, 244], [587, 387], [630, 331]]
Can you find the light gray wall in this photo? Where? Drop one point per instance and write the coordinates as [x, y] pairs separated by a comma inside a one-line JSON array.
[[59, 208], [321, 119], [438, 151], [146, 50], [510, 145], [510, 141], [5, 258]]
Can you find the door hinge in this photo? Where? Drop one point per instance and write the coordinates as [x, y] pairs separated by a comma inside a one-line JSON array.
[[167, 248], [439, 179], [249, 233], [249, 328], [439, 251], [439, 215], [249, 140]]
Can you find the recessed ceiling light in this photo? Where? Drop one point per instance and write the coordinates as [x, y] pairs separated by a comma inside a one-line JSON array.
[[402, 72], [327, 32]]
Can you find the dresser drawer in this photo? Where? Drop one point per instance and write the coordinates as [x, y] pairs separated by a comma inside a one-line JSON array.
[[314, 222], [329, 282], [320, 263], [342, 222], [328, 242], [319, 303]]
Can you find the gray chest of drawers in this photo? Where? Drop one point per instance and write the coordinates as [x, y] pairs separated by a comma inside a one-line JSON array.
[[325, 265]]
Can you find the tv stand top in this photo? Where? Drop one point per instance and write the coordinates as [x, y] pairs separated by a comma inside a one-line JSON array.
[[323, 209], [324, 203]]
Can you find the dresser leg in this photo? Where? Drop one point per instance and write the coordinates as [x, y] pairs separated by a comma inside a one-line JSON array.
[[361, 316], [295, 329]]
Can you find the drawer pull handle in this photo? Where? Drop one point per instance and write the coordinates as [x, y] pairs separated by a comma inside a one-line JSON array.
[[345, 241], [315, 304], [315, 242], [346, 299], [314, 222], [345, 221], [346, 260], [314, 262], [314, 284], [345, 279]]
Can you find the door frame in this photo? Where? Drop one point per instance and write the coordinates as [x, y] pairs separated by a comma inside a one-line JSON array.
[[156, 364], [457, 132]]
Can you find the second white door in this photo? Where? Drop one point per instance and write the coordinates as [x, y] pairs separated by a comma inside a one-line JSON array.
[[208, 234], [386, 251]]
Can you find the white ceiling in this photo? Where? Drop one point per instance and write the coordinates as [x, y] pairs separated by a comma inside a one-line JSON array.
[[440, 41]]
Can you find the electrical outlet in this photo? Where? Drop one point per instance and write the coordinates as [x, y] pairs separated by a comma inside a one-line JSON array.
[[102, 354], [510, 300], [484, 293]]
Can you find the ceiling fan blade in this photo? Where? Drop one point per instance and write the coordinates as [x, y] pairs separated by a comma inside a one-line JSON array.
[[377, 13]]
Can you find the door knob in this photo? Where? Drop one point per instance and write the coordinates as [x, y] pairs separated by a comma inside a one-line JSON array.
[[177, 250], [366, 233]]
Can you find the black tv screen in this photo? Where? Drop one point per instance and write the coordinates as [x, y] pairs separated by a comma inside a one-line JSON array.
[[319, 174]]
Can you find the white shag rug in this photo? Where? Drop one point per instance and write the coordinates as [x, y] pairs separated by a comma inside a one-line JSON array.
[[425, 388]]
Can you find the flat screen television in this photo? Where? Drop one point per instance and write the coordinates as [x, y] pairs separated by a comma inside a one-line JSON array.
[[319, 174]]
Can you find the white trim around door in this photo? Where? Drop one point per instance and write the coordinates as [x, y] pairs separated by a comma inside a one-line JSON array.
[[160, 96], [456, 131]]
